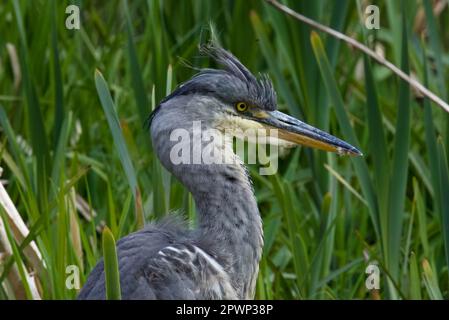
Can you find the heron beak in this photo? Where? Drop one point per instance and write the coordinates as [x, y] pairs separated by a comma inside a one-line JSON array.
[[298, 132]]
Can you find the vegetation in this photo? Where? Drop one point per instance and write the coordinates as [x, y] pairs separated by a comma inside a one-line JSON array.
[[76, 155]]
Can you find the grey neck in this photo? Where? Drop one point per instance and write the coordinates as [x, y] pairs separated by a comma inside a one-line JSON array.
[[228, 219], [231, 220], [228, 216]]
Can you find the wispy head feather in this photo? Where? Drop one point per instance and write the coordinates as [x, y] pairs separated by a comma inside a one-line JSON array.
[[227, 60], [233, 83], [261, 89]]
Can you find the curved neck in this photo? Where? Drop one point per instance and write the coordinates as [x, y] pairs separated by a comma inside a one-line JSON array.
[[228, 219], [228, 216]]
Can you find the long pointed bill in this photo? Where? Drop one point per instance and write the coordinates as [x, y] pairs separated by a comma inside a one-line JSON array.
[[296, 131]]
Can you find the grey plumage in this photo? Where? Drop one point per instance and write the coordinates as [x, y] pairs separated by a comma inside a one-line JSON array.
[[230, 228], [234, 83], [147, 274], [220, 258]]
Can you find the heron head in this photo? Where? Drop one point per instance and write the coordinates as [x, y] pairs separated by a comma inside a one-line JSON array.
[[233, 98]]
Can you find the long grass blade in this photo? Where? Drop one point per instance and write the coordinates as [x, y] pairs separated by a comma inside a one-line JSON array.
[[119, 142], [444, 187], [111, 270], [345, 125], [398, 180], [141, 98]]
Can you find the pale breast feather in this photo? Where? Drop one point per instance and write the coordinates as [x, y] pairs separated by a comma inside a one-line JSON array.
[[201, 267]]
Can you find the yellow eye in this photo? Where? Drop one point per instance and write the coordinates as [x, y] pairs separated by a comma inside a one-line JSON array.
[[241, 106]]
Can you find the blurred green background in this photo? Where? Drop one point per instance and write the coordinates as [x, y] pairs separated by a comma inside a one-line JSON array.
[[326, 218]]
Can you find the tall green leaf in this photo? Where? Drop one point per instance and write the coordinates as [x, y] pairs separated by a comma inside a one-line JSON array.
[[346, 128], [444, 188], [398, 180], [140, 95], [119, 142], [111, 267], [378, 148]]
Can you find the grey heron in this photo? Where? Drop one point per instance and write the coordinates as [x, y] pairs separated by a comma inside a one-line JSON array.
[[220, 258]]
